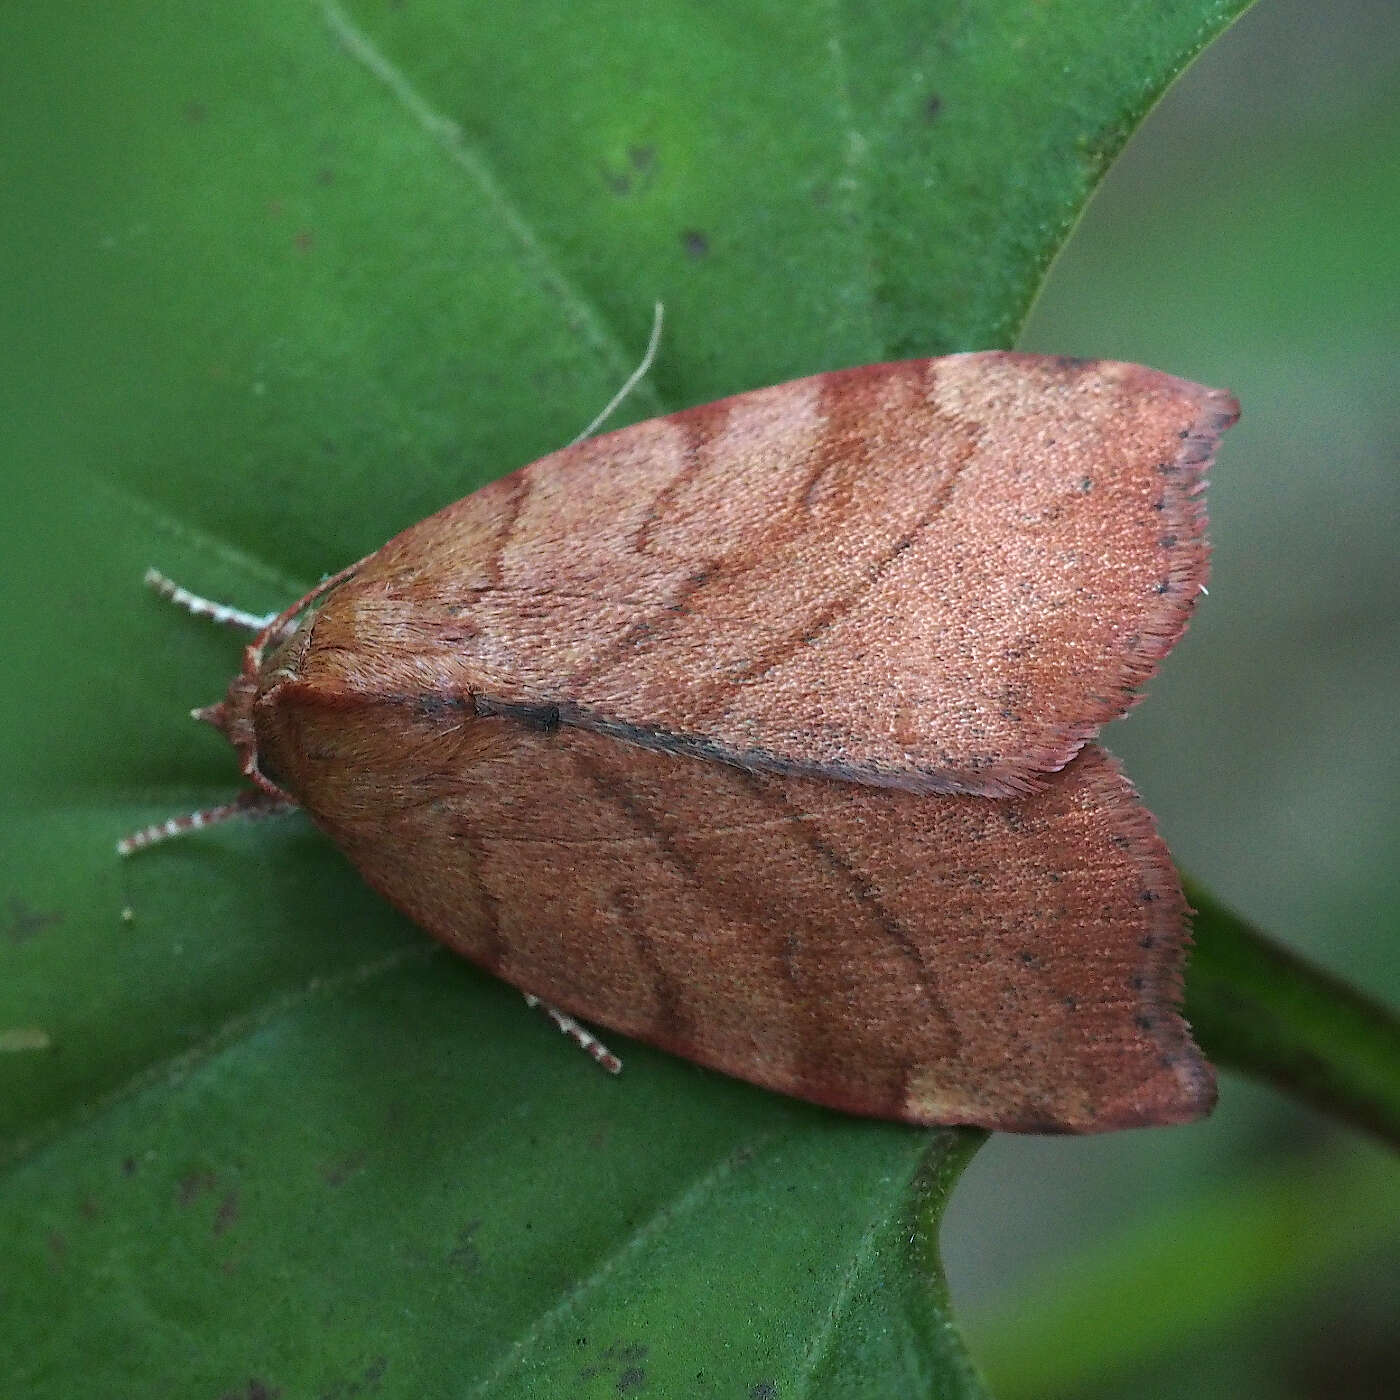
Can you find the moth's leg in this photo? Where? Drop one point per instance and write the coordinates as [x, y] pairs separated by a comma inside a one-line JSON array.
[[253, 803], [220, 613], [580, 1035]]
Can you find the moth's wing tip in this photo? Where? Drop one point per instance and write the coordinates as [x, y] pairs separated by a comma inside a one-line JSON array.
[[1182, 1091], [1187, 557]]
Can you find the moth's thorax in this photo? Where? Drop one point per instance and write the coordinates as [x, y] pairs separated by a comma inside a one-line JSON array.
[[275, 668], [339, 693]]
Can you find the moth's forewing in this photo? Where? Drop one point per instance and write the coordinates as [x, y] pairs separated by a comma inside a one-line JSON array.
[[942, 575]]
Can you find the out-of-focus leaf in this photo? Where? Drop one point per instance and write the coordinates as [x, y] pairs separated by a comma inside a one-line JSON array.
[[1188, 1273]]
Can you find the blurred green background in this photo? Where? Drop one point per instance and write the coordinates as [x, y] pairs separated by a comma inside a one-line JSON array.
[[1250, 231], [1247, 237]]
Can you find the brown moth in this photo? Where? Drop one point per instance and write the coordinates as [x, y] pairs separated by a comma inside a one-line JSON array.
[[762, 732]]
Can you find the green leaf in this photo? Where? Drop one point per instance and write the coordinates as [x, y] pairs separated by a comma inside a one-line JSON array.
[[380, 1178], [289, 277]]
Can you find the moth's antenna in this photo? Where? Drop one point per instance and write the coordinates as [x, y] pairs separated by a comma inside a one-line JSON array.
[[221, 613], [252, 802], [632, 379]]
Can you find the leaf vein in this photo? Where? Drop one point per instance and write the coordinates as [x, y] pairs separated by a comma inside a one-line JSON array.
[[450, 137], [237, 1027], [690, 1200]]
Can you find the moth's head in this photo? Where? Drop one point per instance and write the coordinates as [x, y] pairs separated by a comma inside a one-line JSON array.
[[235, 716], [278, 640]]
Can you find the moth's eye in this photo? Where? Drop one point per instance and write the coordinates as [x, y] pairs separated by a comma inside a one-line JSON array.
[[283, 649], [268, 768]]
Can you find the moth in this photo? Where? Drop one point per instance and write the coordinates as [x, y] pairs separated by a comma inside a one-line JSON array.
[[763, 732]]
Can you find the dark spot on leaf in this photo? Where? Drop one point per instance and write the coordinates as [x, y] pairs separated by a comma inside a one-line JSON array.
[[1168, 541], [227, 1213], [194, 112], [933, 105], [464, 1255], [695, 243], [638, 172], [128, 1166], [325, 176], [22, 922], [1086, 484], [255, 1390], [1150, 896], [305, 241], [349, 1387], [764, 1390], [193, 1184], [632, 1378], [338, 1172]]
